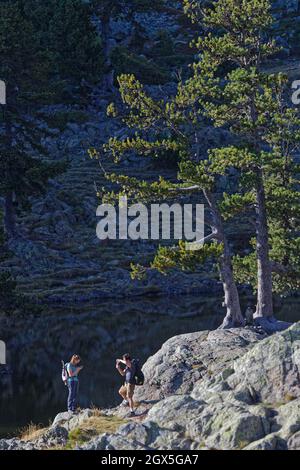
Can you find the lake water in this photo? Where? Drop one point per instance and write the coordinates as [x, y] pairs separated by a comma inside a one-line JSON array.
[[34, 391]]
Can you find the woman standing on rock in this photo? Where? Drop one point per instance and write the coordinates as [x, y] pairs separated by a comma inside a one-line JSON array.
[[73, 370]]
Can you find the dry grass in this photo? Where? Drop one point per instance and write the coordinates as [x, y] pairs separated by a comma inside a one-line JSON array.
[[31, 432], [96, 411], [100, 424], [92, 427], [288, 397]]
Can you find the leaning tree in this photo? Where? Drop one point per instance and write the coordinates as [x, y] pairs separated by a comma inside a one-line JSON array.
[[173, 126], [228, 89]]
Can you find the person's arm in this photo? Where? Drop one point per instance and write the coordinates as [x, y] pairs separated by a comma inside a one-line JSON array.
[[119, 369]]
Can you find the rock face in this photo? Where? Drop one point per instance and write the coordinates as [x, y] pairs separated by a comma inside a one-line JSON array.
[[56, 436], [247, 395], [59, 259], [231, 389], [288, 6], [271, 370], [186, 359]]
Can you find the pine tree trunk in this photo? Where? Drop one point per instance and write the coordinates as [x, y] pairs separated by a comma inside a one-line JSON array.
[[264, 306], [264, 316], [233, 317], [9, 216]]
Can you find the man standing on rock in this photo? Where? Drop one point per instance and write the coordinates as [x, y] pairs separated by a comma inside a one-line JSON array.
[[127, 390]]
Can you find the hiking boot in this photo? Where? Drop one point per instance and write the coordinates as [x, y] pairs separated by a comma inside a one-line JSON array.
[[132, 413], [124, 403]]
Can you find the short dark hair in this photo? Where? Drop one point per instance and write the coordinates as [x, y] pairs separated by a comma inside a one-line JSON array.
[[127, 357], [75, 357]]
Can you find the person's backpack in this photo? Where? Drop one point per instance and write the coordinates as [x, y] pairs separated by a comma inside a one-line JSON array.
[[139, 377], [64, 373]]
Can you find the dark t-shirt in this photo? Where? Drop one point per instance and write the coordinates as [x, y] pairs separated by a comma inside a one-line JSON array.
[[130, 373]]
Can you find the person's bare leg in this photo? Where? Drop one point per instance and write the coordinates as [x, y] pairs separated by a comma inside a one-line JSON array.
[[131, 403], [123, 393], [130, 393]]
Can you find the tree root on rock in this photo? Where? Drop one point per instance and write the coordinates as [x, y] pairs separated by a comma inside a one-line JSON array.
[[270, 324]]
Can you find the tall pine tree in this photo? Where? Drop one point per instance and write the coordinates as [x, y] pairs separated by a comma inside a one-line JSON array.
[[252, 104], [229, 88], [25, 69]]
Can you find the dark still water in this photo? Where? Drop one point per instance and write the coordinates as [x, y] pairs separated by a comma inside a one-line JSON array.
[[34, 392]]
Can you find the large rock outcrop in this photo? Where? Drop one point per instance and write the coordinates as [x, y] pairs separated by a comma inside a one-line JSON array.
[[233, 389], [247, 395], [185, 360]]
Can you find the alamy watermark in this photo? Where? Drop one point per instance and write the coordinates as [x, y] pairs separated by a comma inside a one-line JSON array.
[[2, 353], [296, 93], [2, 92], [156, 222]]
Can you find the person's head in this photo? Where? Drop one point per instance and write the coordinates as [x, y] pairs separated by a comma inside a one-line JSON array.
[[75, 359], [127, 359]]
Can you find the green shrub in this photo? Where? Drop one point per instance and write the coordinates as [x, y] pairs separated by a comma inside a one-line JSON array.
[[63, 29], [145, 70], [142, 5], [8, 296], [61, 119], [164, 45]]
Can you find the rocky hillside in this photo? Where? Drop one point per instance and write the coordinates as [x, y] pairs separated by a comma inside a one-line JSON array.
[[234, 389], [59, 259]]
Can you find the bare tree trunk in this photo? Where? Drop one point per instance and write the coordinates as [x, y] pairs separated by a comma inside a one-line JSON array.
[[264, 315], [9, 216], [264, 306], [233, 317]]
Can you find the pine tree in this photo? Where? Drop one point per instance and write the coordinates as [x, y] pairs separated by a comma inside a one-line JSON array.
[[76, 45], [25, 70], [229, 88], [252, 104], [107, 11], [65, 30], [173, 126]]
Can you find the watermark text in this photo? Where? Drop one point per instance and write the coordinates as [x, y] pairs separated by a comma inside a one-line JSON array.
[[2, 353], [156, 222], [296, 93], [2, 92]]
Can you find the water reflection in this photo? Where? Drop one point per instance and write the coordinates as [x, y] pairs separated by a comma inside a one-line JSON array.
[[99, 334]]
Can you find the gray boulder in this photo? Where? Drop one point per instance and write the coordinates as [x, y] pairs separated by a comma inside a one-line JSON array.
[[244, 398], [186, 359], [271, 369], [54, 437], [16, 444], [70, 421]]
